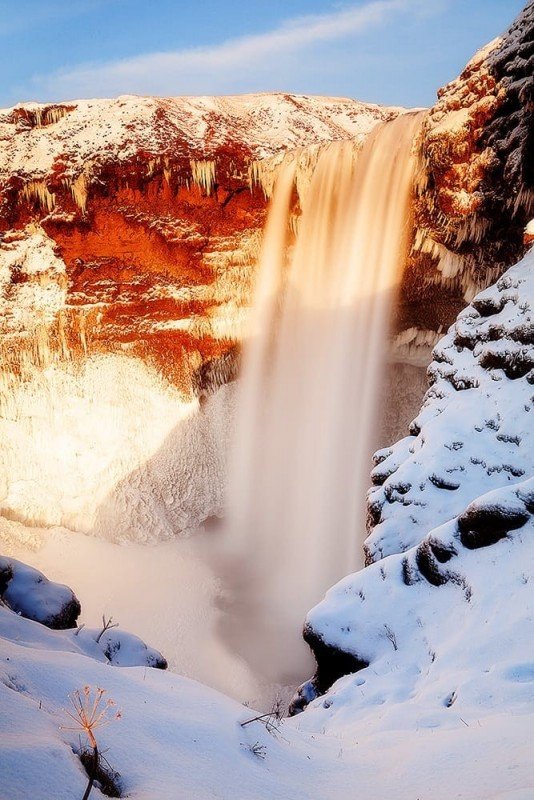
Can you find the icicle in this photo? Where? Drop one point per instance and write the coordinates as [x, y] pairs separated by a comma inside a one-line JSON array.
[[79, 189], [38, 191], [203, 174], [472, 229], [408, 344], [39, 116], [49, 116], [167, 170], [524, 199]]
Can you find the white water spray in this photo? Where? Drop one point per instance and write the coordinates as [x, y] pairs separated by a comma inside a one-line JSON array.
[[310, 389]]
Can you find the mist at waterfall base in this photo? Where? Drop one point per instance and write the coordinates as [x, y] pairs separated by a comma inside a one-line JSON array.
[[310, 392]]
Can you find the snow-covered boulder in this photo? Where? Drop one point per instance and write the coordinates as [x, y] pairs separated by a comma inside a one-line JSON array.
[[448, 620], [27, 592], [123, 649], [475, 431]]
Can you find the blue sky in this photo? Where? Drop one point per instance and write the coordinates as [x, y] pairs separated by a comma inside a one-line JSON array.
[[385, 51]]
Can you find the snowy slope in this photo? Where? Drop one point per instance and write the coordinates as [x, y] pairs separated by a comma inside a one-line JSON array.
[[177, 738], [475, 431], [439, 634]]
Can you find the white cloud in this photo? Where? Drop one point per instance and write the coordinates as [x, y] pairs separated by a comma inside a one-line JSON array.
[[248, 62]]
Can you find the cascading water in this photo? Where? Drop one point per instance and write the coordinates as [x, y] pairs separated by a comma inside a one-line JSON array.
[[310, 389]]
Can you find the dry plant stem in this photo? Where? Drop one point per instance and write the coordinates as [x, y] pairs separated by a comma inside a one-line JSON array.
[[256, 719], [107, 625], [92, 775], [89, 713]]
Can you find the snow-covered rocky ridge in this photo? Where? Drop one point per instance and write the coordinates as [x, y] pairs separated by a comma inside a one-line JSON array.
[[475, 430], [442, 614], [55, 142]]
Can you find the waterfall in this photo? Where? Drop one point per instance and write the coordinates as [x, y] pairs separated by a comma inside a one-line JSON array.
[[310, 390]]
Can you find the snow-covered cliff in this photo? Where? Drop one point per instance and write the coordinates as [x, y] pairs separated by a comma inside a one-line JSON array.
[[441, 615], [129, 231], [150, 206], [474, 432]]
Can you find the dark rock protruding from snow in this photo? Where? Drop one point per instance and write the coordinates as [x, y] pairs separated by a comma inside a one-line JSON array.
[[482, 524], [332, 663], [27, 592]]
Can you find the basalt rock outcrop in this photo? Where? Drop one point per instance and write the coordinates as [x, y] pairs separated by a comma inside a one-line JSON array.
[[476, 190]]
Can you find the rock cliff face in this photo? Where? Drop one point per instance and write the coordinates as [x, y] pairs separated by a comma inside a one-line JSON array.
[[451, 519], [129, 233], [149, 214], [476, 190]]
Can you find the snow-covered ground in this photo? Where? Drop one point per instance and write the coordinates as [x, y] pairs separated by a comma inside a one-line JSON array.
[[476, 426], [177, 738], [166, 593]]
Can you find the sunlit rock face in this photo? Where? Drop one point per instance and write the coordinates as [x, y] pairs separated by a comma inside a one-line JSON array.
[[130, 232], [150, 205], [476, 190], [451, 535]]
